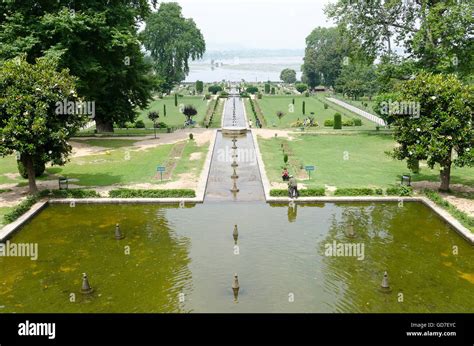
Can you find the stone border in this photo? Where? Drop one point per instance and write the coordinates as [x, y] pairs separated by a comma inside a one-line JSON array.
[[261, 166], [11, 228], [202, 185]]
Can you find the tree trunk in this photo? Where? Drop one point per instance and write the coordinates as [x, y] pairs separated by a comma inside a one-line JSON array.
[[445, 175], [30, 169], [103, 126]]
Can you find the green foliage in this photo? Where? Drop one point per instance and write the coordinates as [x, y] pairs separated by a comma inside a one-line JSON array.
[[337, 121], [224, 94], [356, 80], [285, 158], [29, 123], [314, 192], [354, 192], [39, 168], [399, 190], [288, 76], [98, 44], [252, 90], [139, 124], [301, 87], [214, 89], [329, 122], [172, 193], [304, 108], [273, 90], [191, 136], [164, 110], [326, 106], [153, 116], [259, 96], [267, 88], [443, 127], [357, 122], [21, 208], [176, 100], [172, 41], [199, 87], [348, 122]]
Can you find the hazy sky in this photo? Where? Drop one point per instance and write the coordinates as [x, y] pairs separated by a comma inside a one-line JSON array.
[[269, 24]]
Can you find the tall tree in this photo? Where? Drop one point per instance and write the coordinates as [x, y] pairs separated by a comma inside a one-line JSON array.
[[288, 75], [96, 40], [172, 41], [443, 131], [356, 80], [30, 123], [326, 49], [436, 33]]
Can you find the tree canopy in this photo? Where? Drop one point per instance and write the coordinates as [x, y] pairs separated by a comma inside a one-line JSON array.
[[172, 41], [288, 75], [30, 123]]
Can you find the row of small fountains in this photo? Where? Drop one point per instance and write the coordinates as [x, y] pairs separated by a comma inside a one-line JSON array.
[[87, 288]]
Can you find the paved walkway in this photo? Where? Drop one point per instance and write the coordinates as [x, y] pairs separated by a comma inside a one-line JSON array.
[[358, 111]]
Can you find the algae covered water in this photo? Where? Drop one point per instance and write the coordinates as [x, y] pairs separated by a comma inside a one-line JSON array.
[[327, 257]]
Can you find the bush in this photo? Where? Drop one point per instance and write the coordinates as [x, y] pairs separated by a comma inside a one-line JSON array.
[[244, 94], [379, 192], [326, 106], [329, 122], [224, 94], [161, 125], [214, 89], [301, 87], [337, 121], [267, 88], [38, 166], [348, 122], [139, 124], [357, 122], [191, 136], [306, 94], [285, 158], [273, 90], [73, 193], [174, 193], [207, 96], [303, 193], [354, 192], [401, 190], [252, 89], [21, 208], [259, 96]]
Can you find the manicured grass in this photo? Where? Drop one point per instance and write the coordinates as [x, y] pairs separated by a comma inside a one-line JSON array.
[[366, 164], [124, 166], [108, 143], [174, 118], [8, 165], [270, 105]]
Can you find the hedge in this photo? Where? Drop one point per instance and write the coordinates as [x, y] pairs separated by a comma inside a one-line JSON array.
[[303, 193], [355, 192], [172, 193], [401, 190], [21, 208]]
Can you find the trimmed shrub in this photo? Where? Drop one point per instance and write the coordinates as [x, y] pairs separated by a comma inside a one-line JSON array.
[[354, 192], [303, 193], [273, 90], [174, 193], [176, 100], [304, 107], [337, 121], [348, 122], [199, 87], [21, 208], [259, 96], [214, 89], [326, 106], [224, 94], [267, 88], [357, 122], [139, 124], [401, 190], [329, 122], [252, 90], [207, 96], [191, 136]]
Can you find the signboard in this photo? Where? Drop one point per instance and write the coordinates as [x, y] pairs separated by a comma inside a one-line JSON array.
[[310, 169], [161, 169]]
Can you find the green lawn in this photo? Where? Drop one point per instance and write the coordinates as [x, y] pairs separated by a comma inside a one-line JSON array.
[[366, 164], [360, 103], [270, 105], [122, 164], [174, 118]]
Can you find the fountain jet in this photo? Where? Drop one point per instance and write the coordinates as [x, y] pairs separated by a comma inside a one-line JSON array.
[[86, 287]]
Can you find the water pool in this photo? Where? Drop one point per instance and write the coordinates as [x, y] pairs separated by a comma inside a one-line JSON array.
[[183, 259]]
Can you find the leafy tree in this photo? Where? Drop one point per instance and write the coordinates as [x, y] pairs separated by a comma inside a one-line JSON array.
[[436, 34], [153, 116], [30, 123], [189, 111], [280, 115], [337, 121], [288, 75], [172, 41], [96, 40], [199, 87], [444, 125], [301, 87], [252, 90], [357, 80], [214, 89]]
